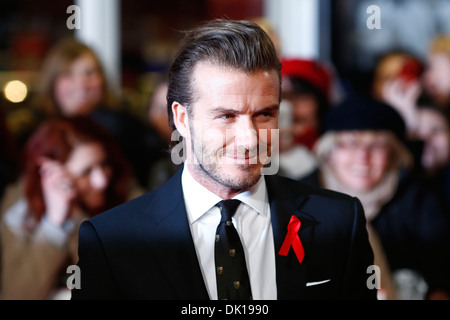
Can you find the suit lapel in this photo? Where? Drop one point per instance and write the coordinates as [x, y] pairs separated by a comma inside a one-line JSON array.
[[290, 274], [179, 260], [177, 256]]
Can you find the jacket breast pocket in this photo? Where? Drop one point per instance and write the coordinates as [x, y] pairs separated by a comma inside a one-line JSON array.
[[320, 289]]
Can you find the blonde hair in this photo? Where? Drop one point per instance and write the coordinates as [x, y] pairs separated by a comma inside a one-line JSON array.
[[58, 59], [400, 158], [441, 44]]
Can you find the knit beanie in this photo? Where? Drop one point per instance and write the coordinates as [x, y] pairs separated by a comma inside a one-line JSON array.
[[358, 112]]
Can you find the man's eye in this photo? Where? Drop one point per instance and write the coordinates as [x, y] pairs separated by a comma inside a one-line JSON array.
[[227, 116], [266, 114]]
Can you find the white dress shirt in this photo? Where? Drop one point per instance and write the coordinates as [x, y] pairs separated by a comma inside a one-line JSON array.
[[253, 224]]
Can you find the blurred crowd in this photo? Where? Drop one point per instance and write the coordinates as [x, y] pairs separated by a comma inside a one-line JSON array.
[[389, 148], [84, 155]]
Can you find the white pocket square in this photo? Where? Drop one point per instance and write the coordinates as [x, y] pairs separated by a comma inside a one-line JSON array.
[[315, 283]]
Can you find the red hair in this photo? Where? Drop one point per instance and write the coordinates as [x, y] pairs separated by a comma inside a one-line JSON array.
[[55, 139]]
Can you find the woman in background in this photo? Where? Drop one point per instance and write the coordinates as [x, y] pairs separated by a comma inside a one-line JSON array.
[[73, 171], [362, 153], [306, 95], [73, 83]]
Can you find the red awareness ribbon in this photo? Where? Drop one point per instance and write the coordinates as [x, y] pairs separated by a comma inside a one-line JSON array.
[[292, 239]]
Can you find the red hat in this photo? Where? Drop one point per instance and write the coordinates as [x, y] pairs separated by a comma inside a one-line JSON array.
[[308, 70]]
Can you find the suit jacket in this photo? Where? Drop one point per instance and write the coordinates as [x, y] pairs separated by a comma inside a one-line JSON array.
[[413, 228], [143, 249]]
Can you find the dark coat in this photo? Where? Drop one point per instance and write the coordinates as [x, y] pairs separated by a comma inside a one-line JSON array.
[[440, 184], [414, 230], [144, 248]]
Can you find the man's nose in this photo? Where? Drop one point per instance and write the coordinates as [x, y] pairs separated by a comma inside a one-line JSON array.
[[246, 135]]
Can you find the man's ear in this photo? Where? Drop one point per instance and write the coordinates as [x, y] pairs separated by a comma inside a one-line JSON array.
[[181, 119]]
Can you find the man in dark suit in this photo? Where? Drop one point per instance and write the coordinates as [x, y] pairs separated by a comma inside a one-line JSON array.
[[294, 241]]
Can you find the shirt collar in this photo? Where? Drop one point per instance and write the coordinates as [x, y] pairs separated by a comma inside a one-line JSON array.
[[193, 191]]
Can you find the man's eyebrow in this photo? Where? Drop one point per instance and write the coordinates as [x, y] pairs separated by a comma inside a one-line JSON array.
[[222, 110], [271, 108]]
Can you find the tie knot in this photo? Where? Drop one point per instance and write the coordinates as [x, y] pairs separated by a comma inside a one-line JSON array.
[[228, 208]]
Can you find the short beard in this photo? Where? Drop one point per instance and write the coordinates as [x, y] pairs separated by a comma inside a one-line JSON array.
[[212, 172]]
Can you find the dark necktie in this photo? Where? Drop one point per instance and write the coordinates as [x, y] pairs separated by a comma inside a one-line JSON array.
[[231, 270]]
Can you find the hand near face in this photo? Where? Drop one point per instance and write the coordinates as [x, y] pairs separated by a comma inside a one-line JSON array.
[[403, 97], [58, 191]]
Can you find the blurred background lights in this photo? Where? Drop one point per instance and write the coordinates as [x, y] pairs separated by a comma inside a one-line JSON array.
[[15, 91]]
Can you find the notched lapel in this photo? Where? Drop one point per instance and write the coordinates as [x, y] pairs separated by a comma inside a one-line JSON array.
[[291, 275], [176, 253]]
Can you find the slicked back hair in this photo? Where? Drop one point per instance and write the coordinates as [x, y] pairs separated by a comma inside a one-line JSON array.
[[236, 44]]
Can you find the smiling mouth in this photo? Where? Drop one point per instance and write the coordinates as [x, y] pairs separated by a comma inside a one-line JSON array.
[[233, 159]]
